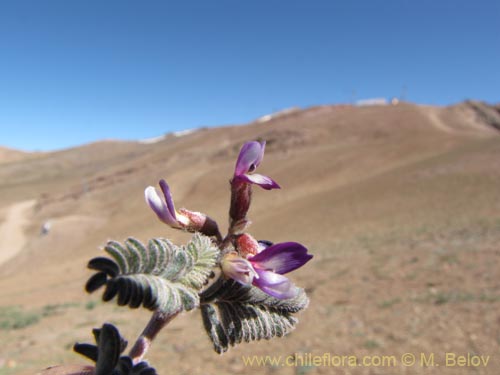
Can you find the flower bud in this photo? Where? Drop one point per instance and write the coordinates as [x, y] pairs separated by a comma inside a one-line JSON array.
[[182, 219], [247, 245], [198, 222]]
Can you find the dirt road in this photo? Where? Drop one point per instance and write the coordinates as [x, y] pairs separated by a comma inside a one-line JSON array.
[[12, 237]]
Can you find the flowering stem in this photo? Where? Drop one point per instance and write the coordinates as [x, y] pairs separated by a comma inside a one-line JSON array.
[[241, 197], [144, 341]]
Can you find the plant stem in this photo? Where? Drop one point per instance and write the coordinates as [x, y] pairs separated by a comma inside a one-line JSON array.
[[144, 341]]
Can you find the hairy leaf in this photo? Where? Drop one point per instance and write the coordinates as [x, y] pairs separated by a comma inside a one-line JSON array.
[[233, 313], [161, 276]]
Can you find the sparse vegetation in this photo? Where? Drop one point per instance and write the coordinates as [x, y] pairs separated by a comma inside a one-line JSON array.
[[90, 305], [15, 317], [389, 303], [444, 297], [371, 344]]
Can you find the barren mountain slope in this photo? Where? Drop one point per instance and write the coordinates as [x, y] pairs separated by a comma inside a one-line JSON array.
[[399, 204], [8, 155]]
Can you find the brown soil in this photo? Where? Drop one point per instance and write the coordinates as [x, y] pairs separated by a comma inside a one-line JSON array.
[[399, 205]]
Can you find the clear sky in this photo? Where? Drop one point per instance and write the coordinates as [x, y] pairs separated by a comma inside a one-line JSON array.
[[74, 71]]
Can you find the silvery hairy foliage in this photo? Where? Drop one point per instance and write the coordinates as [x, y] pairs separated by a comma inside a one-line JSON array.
[[236, 281], [160, 277]]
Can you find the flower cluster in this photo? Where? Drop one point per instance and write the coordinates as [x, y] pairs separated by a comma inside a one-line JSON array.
[[244, 259], [264, 265]]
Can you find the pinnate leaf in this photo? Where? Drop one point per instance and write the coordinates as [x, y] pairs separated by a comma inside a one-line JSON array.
[[161, 276], [233, 313]]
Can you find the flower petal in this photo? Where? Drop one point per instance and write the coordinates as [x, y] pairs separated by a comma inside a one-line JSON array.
[[237, 268], [159, 207], [251, 155], [281, 258], [168, 197], [261, 180], [275, 285]]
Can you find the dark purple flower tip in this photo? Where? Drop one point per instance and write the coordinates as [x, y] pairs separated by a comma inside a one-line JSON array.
[[264, 244], [251, 155], [281, 258], [165, 210], [274, 284], [168, 196]]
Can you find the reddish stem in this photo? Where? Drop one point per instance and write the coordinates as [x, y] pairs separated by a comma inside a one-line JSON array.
[[144, 341]]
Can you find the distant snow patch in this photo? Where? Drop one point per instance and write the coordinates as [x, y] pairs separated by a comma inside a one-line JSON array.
[[148, 141], [274, 115], [180, 133]]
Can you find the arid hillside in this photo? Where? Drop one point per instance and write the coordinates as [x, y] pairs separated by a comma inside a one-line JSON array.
[[8, 155], [400, 206]]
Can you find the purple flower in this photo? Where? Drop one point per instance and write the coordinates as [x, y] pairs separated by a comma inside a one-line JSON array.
[[265, 270], [250, 157], [164, 209], [182, 219], [238, 268]]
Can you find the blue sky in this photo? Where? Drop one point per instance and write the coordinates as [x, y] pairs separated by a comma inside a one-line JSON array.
[[74, 71]]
